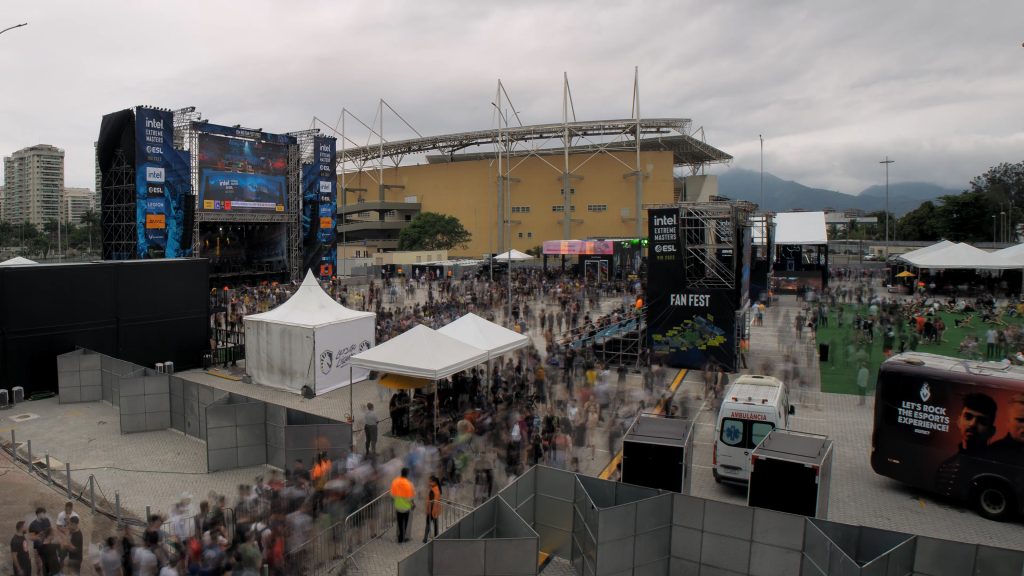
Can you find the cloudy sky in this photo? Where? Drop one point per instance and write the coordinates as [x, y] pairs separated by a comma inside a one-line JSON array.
[[834, 87]]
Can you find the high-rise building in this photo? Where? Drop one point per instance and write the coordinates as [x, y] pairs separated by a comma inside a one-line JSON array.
[[74, 203], [33, 182]]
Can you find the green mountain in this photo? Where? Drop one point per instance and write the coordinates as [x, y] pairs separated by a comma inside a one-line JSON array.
[[783, 195]]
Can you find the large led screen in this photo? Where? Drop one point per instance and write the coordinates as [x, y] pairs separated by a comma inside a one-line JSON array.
[[237, 175]]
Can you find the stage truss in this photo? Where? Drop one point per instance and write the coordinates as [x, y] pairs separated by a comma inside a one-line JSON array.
[[118, 210]]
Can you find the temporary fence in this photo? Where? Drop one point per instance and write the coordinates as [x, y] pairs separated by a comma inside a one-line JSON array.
[[88, 491], [338, 544]]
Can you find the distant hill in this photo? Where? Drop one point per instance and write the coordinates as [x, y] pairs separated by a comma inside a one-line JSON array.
[[782, 195]]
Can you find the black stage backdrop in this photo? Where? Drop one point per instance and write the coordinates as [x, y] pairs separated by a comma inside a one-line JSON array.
[[141, 311]]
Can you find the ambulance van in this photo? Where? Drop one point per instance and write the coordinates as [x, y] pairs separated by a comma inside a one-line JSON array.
[[752, 406]]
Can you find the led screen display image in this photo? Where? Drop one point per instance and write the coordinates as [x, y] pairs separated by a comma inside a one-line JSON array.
[[237, 175]]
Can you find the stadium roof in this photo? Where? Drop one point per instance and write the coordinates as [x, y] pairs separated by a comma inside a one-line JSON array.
[[669, 134]]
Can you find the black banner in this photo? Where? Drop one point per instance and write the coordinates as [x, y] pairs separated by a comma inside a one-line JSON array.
[[685, 327]]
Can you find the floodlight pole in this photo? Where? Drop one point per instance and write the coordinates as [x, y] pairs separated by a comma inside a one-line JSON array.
[[761, 138], [886, 162]]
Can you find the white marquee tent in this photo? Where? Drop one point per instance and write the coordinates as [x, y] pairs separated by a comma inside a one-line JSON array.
[[421, 352], [1013, 256], [307, 341], [18, 261], [957, 257], [513, 255], [480, 333], [926, 250]]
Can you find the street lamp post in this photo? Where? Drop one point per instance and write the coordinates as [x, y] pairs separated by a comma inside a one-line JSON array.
[[886, 162], [993, 228], [761, 138]]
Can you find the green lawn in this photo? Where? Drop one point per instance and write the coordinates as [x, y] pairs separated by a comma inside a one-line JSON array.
[[839, 373]]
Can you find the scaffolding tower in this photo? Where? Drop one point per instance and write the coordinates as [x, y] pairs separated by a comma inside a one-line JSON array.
[[117, 209]]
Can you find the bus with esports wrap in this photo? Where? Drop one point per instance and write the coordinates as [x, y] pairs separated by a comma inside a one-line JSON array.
[[954, 428]]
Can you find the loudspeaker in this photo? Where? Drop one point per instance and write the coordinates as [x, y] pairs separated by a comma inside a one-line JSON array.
[[188, 220]]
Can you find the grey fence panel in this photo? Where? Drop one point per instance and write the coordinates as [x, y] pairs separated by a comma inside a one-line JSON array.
[[132, 404], [626, 493], [177, 392], [69, 388], [158, 402], [510, 557], [508, 524], [418, 563], [90, 376], [276, 418], [998, 562], [221, 441], [935, 557], [485, 518], [459, 557]]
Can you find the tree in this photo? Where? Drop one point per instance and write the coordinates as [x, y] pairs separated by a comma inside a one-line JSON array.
[[920, 223], [966, 217], [433, 231]]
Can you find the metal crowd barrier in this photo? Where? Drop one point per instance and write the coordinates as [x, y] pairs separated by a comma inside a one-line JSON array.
[[322, 554]]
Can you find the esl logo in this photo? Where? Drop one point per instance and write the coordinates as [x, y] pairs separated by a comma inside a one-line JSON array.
[[154, 174]]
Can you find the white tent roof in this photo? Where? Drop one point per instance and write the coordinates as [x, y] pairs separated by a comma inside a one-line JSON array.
[[18, 261], [927, 250], [800, 228], [422, 353], [957, 256], [513, 255], [476, 331], [1013, 256], [309, 307]]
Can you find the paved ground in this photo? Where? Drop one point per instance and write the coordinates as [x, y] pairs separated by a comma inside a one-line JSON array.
[[155, 468], [858, 495], [147, 469], [21, 495]]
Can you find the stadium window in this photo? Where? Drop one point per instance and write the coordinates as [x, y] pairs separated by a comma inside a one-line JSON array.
[[529, 234], [520, 234], [520, 209], [561, 208], [597, 207], [571, 191]]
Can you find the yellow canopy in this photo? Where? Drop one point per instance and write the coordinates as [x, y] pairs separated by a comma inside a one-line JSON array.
[[399, 382], [905, 274]]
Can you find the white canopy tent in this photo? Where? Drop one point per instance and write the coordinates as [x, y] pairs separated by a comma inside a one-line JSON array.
[[800, 228], [926, 250], [956, 257], [307, 341], [421, 352], [18, 261], [1013, 256], [480, 333], [513, 255]]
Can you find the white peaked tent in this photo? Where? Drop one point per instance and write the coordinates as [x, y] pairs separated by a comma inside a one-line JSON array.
[[1012, 257], [956, 257], [421, 353], [307, 341], [18, 261], [492, 338], [513, 255], [926, 250]]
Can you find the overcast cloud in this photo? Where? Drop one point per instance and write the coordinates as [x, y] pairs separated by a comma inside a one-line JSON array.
[[834, 87]]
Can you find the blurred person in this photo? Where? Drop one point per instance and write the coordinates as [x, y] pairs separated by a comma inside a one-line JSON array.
[[370, 422], [75, 548], [403, 494], [21, 551], [432, 511]]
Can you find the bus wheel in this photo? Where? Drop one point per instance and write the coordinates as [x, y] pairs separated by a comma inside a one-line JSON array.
[[994, 500]]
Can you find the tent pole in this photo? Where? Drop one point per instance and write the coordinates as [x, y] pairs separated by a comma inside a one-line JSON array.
[[435, 411], [351, 411]]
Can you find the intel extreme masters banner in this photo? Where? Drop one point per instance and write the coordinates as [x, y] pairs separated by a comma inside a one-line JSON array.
[[162, 186], [320, 207]]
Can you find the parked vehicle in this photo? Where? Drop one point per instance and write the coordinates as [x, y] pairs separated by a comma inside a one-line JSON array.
[[752, 406], [954, 428]]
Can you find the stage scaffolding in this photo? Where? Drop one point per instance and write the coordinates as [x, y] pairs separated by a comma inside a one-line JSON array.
[[118, 209]]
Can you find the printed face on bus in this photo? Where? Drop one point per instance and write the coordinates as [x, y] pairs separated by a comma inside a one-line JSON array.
[[1017, 421], [975, 427]]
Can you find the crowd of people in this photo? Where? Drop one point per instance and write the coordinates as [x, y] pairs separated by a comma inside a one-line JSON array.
[[557, 402]]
